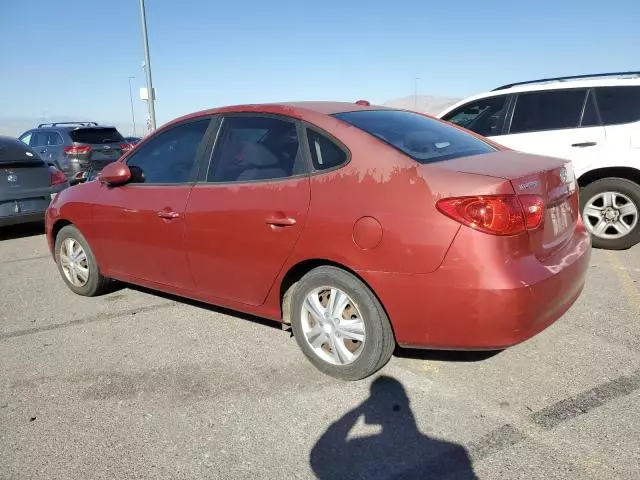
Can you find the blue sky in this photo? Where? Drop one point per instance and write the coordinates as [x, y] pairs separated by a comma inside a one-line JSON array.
[[73, 57]]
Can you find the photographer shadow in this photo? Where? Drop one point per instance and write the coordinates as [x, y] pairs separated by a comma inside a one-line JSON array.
[[399, 451]]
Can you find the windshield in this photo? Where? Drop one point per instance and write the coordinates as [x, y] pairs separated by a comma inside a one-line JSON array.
[[424, 139]]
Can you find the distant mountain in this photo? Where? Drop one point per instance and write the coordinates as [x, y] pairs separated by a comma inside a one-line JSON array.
[[14, 126], [423, 103]]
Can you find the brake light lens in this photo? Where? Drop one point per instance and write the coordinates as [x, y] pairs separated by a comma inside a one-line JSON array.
[[125, 147], [495, 214], [57, 177], [77, 150]]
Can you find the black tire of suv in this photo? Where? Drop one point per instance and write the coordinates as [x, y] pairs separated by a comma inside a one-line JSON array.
[[613, 184], [97, 283], [379, 338]]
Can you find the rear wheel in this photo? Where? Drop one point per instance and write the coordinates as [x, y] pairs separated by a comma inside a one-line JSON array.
[[611, 212], [340, 325], [77, 264]]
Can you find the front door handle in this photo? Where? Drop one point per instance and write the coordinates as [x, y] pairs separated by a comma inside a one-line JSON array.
[[168, 215], [584, 144], [281, 221]]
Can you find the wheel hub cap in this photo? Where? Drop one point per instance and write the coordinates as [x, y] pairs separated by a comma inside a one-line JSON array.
[[610, 215]]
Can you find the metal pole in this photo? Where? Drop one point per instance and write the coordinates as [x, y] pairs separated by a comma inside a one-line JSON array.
[[147, 62], [133, 115]]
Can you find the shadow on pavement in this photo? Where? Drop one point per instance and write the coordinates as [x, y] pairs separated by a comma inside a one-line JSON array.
[[20, 231], [398, 451]]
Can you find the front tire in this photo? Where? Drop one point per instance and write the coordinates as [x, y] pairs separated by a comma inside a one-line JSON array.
[[340, 325], [610, 210], [77, 264]]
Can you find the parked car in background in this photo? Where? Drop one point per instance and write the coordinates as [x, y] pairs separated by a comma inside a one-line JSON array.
[[132, 140], [27, 183], [360, 226], [592, 120], [75, 147]]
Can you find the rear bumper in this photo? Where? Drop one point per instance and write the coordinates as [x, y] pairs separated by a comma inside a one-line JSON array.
[[9, 215], [20, 219], [468, 304]]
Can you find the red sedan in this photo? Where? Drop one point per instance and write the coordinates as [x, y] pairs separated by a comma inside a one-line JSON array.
[[363, 227]]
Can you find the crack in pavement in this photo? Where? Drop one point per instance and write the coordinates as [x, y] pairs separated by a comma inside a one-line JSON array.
[[84, 320]]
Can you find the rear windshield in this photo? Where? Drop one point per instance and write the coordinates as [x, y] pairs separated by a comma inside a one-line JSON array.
[[96, 135], [422, 138], [14, 151]]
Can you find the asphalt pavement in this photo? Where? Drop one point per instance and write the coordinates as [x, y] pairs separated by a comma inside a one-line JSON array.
[[140, 385]]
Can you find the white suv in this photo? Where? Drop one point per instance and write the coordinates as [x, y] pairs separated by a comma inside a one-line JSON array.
[[592, 120]]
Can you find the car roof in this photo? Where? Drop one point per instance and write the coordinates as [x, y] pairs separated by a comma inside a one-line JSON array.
[[547, 86], [292, 109]]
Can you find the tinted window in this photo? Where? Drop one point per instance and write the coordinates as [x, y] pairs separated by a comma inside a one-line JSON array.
[[170, 157], [26, 139], [96, 135], [256, 148], [424, 139], [484, 117], [46, 139], [551, 110], [324, 153], [619, 104]]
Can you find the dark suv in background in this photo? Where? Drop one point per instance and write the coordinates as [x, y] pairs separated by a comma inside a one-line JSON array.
[[77, 147]]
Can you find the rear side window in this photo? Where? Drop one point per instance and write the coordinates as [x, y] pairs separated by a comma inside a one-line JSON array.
[[550, 110], [484, 117], [619, 104], [324, 153], [96, 135], [424, 139]]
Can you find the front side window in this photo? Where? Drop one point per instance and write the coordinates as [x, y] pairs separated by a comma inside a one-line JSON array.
[[549, 110], [170, 157], [251, 148], [484, 117], [26, 138], [424, 139], [619, 104]]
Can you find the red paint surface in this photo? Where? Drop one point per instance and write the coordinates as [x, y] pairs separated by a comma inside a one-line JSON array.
[[443, 285]]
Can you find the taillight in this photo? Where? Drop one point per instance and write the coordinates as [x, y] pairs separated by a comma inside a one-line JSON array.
[[57, 177], [495, 214], [125, 147], [77, 151]]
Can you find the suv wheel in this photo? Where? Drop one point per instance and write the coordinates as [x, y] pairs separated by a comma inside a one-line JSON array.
[[611, 212]]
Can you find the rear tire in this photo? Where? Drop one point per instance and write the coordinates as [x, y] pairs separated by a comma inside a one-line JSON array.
[[349, 337], [593, 204], [77, 264]]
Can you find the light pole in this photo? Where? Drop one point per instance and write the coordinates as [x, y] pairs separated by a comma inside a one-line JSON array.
[[147, 62], [133, 115], [415, 93]]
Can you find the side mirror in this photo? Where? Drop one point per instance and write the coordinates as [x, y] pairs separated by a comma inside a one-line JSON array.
[[114, 174]]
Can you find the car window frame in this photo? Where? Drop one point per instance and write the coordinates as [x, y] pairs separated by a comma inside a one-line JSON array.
[[514, 104], [208, 163], [200, 153], [509, 102], [336, 141]]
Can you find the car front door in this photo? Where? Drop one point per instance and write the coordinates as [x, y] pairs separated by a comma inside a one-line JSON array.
[[140, 226], [244, 218]]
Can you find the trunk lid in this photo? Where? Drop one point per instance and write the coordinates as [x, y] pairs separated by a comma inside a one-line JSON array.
[[550, 178], [22, 171]]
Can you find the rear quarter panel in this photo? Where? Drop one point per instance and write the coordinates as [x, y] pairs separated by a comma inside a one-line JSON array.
[[383, 184]]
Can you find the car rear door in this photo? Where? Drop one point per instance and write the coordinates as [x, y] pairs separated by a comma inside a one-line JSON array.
[[140, 226], [246, 215], [620, 111]]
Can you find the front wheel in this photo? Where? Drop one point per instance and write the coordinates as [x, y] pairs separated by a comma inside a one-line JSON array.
[[340, 325], [611, 212], [77, 264]]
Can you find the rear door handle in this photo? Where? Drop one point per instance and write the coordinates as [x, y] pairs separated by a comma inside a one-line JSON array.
[[44, 150], [168, 215], [281, 221], [584, 144]]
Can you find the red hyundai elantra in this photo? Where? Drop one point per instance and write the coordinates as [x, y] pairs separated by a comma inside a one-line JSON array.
[[363, 227]]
